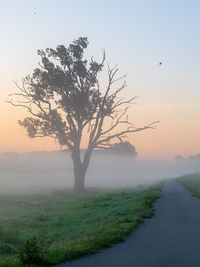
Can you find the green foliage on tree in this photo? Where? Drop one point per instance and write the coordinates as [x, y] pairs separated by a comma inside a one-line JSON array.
[[65, 101]]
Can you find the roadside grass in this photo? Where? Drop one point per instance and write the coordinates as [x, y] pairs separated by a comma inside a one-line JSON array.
[[77, 225], [191, 182]]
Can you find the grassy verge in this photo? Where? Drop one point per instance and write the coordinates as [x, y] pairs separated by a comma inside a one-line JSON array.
[[77, 225], [192, 183]]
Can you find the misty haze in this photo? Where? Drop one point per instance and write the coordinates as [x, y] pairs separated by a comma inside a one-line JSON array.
[[99, 139], [25, 172]]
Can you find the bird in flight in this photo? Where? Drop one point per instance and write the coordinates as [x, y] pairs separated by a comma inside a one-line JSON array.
[[160, 63]]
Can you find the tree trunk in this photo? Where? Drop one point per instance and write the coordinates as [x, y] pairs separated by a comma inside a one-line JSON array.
[[79, 178], [80, 169], [79, 172]]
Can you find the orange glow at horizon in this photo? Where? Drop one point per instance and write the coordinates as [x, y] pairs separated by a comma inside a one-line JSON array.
[[176, 133], [148, 32]]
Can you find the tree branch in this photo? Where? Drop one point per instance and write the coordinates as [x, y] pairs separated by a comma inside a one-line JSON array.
[[128, 130]]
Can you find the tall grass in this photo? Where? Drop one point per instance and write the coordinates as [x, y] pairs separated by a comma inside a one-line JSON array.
[[76, 224], [192, 183]]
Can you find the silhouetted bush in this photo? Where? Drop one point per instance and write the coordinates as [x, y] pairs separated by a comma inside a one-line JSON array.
[[33, 250]]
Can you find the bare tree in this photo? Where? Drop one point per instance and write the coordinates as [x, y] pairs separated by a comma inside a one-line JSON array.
[[65, 102]]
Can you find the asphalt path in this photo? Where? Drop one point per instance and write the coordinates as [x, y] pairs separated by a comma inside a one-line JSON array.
[[170, 239]]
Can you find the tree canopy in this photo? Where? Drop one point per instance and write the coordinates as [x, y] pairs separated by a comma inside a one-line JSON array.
[[124, 148], [66, 102]]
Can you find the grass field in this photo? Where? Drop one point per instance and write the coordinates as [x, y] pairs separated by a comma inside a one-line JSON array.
[[192, 183], [71, 225]]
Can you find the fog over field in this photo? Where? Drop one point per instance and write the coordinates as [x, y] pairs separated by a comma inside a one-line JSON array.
[[54, 170]]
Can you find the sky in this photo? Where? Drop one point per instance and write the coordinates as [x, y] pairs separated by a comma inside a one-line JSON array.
[[136, 36]]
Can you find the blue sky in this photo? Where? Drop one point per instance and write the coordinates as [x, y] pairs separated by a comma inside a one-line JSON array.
[[136, 35]]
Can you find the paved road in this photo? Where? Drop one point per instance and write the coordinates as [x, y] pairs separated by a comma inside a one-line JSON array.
[[170, 239]]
